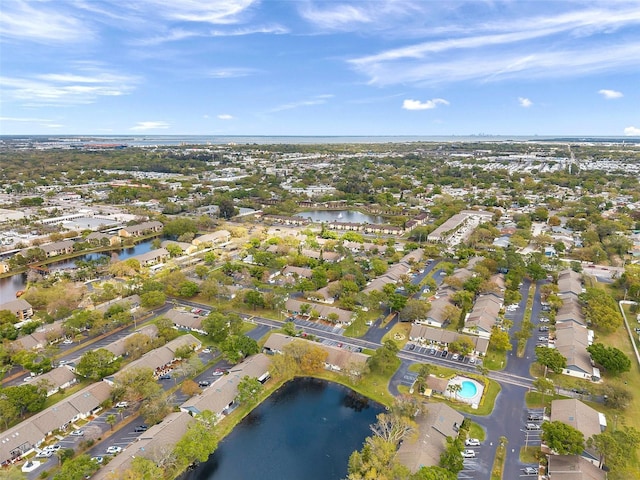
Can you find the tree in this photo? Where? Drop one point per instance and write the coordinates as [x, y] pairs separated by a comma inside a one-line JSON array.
[[551, 358], [249, 390], [433, 473], [237, 347], [562, 438], [254, 299], [308, 358], [189, 388], [283, 367], [454, 389], [97, 364], [544, 386], [188, 289], [216, 326], [77, 468], [451, 458], [384, 357], [136, 384], [197, 444], [617, 448], [499, 339], [137, 345], [463, 345], [397, 302], [25, 398], [377, 460], [141, 469], [152, 299], [154, 409], [414, 309], [613, 360], [393, 428], [179, 226], [227, 208], [111, 420]]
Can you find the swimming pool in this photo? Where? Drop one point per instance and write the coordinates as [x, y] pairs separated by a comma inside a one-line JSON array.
[[469, 389]]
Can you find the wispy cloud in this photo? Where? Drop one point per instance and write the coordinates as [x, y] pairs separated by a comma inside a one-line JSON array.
[[632, 131], [335, 16], [41, 22], [61, 89], [143, 126], [610, 94], [231, 72], [500, 65], [216, 12], [428, 105], [225, 116], [525, 47], [24, 119], [524, 102], [317, 100]]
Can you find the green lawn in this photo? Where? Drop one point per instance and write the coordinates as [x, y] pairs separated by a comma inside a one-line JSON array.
[[530, 454], [495, 359], [399, 334]]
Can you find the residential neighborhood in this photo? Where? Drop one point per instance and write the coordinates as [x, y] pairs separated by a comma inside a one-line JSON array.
[[486, 295]]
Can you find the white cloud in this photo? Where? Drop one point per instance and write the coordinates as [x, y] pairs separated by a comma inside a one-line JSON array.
[[215, 12], [143, 126], [225, 116], [61, 89], [524, 102], [632, 131], [231, 72], [513, 45], [23, 119], [499, 65], [336, 16], [428, 105], [610, 94], [317, 100], [41, 22]]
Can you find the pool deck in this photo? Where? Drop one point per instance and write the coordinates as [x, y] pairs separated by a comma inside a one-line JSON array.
[[474, 400]]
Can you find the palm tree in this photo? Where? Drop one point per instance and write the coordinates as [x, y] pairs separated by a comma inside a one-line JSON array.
[[111, 420], [454, 388]]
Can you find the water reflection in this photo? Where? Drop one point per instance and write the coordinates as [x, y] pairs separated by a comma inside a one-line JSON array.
[[305, 430]]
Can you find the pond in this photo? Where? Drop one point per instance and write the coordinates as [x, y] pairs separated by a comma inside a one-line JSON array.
[[10, 285], [351, 216], [307, 429]]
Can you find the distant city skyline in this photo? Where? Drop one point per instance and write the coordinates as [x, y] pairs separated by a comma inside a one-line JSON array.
[[363, 68]]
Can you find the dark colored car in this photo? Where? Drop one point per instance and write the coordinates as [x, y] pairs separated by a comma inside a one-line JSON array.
[[204, 383], [140, 428], [444, 353], [165, 376]]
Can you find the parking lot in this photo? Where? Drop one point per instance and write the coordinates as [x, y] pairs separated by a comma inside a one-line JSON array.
[[433, 351], [319, 326]]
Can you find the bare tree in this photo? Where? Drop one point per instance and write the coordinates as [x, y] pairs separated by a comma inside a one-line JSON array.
[[393, 428]]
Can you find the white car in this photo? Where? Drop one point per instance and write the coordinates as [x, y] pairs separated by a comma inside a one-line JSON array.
[[77, 433], [533, 426], [472, 442], [44, 454], [122, 404], [113, 449], [67, 341], [455, 356], [530, 471], [468, 454]]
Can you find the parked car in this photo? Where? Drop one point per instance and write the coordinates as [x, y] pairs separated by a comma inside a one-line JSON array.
[[468, 454], [543, 328], [44, 454], [535, 418], [530, 471], [432, 351], [206, 350], [444, 353], [67, 341], [97, 459], [114, 449], [219, 371], [472, 442], [165, 376], [543, 339], [412, 346], [77, 433], [52, 448], [533, 426], [204, 383], [472, 361], [122, 404], [140, 428], [455, 356]]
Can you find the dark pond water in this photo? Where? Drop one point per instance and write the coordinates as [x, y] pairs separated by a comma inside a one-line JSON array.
[[351, 216], [10, 285], [305, 430]]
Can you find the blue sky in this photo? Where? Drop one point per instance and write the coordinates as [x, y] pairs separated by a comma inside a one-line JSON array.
[[385, 67]]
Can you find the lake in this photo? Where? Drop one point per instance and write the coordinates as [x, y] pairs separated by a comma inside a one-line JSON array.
[[307, 429], [10, 285], [351, 216]]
